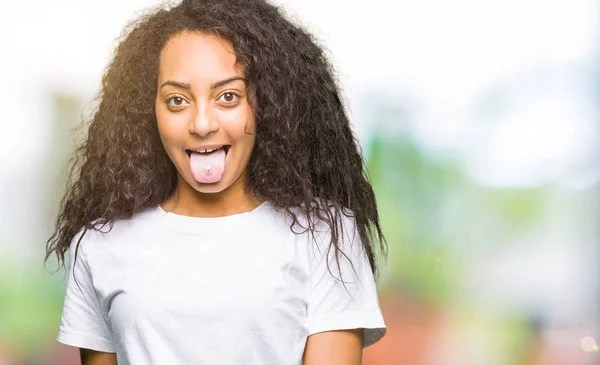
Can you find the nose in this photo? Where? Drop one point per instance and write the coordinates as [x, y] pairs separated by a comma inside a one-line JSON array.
[[204, 123]]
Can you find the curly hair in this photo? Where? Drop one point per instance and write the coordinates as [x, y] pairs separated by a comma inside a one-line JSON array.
[[305, 155]]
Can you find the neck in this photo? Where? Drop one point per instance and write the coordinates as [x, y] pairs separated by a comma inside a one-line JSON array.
[[186, 200]]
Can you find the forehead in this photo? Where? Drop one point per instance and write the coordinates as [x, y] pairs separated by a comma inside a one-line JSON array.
[[197, 57]]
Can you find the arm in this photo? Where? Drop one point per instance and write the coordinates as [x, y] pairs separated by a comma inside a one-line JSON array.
[[83, 323], [342, 313], [342, 347], [92, 357]]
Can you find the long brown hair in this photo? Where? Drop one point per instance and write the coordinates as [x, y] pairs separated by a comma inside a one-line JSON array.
[[305, 153]]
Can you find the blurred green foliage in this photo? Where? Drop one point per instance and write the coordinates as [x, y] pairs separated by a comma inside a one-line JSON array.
[[30, 307], [434, 216], [410, 190]]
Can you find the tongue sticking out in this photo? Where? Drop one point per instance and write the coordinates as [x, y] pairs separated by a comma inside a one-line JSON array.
[[208, 167]]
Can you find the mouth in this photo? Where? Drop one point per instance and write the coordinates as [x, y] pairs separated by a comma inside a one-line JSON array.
[[208, 151], [207, 163]]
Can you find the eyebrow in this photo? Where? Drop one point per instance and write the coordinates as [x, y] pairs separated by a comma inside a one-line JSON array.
[[186, 86]]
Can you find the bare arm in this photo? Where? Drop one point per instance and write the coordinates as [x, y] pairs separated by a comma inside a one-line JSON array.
[[334, 348], [91, 357]]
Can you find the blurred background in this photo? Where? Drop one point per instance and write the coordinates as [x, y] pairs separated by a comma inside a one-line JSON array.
[[480, 124]]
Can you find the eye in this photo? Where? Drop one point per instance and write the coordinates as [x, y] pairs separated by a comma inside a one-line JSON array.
[[229, 98], [176, 102]]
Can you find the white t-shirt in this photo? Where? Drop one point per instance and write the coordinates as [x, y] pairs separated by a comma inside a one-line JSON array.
[[163, 288]]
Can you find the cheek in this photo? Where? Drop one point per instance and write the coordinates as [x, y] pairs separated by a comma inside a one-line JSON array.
[[239, 124], [251, 124], [250, 120], [169, 127], [161, 124]]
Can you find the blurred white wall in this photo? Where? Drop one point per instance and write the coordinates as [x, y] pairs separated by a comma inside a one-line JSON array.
[[447, 58]]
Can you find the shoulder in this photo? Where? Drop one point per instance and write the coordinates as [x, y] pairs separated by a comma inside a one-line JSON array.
[[326, 225], [120, 230], [321, 211], [331, 219]]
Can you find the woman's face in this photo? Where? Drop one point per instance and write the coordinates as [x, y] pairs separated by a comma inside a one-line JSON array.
[[205, 122]]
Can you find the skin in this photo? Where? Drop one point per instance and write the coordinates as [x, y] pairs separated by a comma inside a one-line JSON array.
[[91, 357], [334, 348], [196, 105], [205, 114]]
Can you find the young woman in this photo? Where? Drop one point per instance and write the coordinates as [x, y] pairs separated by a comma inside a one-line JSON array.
[[219, 211]]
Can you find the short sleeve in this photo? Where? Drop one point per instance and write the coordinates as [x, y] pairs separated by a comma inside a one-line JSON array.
[[333, 305], [83, 323]]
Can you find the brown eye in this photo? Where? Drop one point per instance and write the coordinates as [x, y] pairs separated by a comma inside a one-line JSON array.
[[176, 102], [229, 98]]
